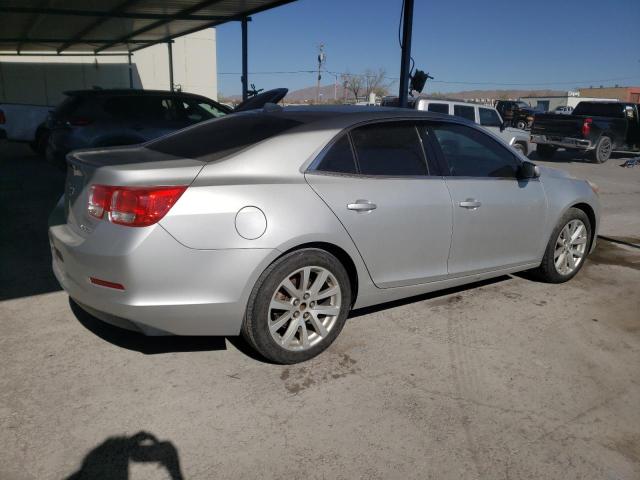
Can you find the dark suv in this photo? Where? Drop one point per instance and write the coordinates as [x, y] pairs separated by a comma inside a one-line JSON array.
[[101, 118], [516, 114]]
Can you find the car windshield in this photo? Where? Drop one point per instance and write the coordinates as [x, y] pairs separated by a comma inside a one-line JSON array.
[[522, 104]]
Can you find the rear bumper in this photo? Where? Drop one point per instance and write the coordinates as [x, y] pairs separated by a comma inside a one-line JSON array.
[[169, 288], [563, 142]]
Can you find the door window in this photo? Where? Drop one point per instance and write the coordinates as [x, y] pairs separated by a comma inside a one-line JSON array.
[[438, 108], [389, 149], [472, 153], [339, 158], [465, 111], [489, 117]]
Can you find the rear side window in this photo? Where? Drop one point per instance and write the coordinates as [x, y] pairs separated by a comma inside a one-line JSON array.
[[597, 109], [389, 149], [465, 111], [339, 158], [489, 117], [471, 153], [215, 139], [438, 108]]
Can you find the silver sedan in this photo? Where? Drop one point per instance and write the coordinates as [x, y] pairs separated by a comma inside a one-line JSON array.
[[274, 224]]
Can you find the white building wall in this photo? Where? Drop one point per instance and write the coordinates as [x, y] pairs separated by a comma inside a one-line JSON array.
[[41, 80]]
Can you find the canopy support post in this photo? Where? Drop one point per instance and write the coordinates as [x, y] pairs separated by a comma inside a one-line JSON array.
[[170, 48], [405, 65], [245, 61], [130, 71]]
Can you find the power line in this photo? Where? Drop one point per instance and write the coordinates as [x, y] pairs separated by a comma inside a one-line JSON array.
[[450, 82]]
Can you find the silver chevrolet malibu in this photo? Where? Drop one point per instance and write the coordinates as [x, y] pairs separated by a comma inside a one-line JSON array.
[[275, 223]]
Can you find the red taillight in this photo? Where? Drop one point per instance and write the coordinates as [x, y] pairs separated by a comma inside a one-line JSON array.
[[132, 206], [586, 127], [80, 121], [3, 119]]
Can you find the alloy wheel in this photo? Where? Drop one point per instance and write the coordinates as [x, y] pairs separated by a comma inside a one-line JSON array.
[[570, 247], [304, 308]]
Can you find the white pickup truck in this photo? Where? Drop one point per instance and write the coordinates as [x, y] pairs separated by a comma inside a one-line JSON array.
[[24, 123]]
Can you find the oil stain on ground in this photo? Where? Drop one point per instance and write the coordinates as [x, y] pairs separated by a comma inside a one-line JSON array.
[[297, 379]]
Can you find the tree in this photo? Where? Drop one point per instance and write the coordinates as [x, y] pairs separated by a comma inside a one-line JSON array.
[[374, 82], [353, 83]]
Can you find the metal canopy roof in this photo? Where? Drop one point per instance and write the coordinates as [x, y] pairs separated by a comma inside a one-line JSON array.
[[110, 26]]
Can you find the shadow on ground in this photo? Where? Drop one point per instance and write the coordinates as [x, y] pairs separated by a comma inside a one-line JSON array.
[[29, 189], [112, 458]]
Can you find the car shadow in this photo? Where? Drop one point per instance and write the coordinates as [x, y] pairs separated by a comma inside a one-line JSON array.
[[112, 458], [564, 156]]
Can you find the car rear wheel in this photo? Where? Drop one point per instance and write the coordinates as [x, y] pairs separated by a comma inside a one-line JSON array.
[[298, 306], [546, 152], [567, 249], [603, 150]]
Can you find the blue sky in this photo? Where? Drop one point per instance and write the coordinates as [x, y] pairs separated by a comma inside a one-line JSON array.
[[557, 44]]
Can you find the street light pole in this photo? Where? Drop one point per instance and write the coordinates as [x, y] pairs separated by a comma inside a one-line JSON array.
[[405, 65]]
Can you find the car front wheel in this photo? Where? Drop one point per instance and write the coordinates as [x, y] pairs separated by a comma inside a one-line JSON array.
[[567, 249], [298, 306]]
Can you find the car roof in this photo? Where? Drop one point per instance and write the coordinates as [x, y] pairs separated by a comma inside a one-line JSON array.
[[344, 116], [132, 92]]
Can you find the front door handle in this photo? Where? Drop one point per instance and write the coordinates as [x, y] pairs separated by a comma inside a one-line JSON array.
[[470, 203], [362, 206]]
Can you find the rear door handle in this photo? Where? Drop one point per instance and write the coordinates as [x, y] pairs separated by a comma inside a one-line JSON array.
[[362, 206], [470, 203]]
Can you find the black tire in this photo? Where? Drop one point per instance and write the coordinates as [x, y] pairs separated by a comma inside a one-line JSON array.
[[39, 144], [255, 327], [546, 152], [521, 124], [603, 150], [521, 148], [547, 270]]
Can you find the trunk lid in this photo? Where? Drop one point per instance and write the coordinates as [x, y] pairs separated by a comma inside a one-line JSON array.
[[134, 166]]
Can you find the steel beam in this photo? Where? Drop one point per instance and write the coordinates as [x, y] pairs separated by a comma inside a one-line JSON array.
[[110, 14], [405, 63], [170, 49], [245, 60], [159, 23]]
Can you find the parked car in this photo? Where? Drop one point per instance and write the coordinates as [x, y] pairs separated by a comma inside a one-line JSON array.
[[24, 123], [598, 128], [274, 224], [486, 117], [103, 118], [516, 113], [563, 110]]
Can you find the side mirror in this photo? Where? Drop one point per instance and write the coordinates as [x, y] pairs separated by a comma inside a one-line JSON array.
[[528, 170]]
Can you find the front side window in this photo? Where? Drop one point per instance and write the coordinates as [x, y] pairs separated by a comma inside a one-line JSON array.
[[438, 108], [465, 111], [389, 149], [339, 158], [489, 117], [472, 153]]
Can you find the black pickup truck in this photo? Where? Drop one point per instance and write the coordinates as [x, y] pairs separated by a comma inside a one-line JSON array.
[[598, 128]]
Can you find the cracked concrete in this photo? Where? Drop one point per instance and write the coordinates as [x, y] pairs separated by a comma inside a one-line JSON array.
[[507, 379]]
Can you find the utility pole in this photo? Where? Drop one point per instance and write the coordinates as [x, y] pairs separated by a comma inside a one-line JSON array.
[[321, 59], [407, 25]]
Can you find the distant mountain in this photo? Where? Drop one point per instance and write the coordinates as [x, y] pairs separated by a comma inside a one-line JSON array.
[[329, 94]]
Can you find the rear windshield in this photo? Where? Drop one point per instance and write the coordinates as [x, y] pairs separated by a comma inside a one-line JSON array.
[[598, 109], [215, 139], [67, 106]]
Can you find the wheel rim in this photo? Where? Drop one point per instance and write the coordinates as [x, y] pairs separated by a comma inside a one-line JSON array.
[[570, 247], [521, 125], [304, 308], [605, 148]]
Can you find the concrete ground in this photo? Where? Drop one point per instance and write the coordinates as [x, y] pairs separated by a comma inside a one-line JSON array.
[[508, 379]]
